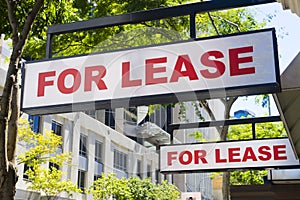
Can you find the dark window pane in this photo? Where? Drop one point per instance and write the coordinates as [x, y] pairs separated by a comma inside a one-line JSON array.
[[56, 128], [148, 170], [53, 165], [110, 118], [81, 179], [98, 152], [34, 122], [82, 146], [25, 176]]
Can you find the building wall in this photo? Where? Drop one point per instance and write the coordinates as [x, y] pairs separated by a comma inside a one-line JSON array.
[[76, 124]]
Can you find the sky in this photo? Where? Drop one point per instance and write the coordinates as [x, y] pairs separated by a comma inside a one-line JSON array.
[[287, 25]]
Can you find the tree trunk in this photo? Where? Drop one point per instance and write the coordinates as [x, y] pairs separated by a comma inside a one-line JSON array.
[[9, 102], [223, 130], [228, 102], [14, 119], [8, 190], [8, 170], [226, 186]]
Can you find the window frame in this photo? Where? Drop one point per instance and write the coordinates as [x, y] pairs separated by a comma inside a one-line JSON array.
[[139, 168], [98, 151], [83, 145], [55, 129], [120, 161], [81, 179]]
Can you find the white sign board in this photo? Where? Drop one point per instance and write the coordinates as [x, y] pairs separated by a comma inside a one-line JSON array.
[[239, 64], [227, 155]]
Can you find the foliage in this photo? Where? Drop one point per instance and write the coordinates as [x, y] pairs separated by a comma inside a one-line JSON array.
[[198, 136], [263, 100], [127, 36], [131, 189], [263, 130], [44, 150], [104, 39], [244, 132], [248, 177]]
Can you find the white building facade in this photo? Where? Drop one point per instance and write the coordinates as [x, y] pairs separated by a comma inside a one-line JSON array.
[[96, 149]]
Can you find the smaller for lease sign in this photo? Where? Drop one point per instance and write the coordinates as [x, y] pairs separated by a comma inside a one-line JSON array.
[[227, 155]]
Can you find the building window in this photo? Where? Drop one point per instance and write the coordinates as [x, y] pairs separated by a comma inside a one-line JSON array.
[[149, 171], [81, 179], [34, 122], [98, 152], [53, 165], [82, 146], [130, 115], [157, 175], [110, 118], [96, 177], [56, 128], [139, 169], [25, 176], [120, 160]]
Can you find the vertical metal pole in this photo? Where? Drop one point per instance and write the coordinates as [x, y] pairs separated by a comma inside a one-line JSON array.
[[253, 131], [170, 130], [193, 25], [169, 121], [49, 46]]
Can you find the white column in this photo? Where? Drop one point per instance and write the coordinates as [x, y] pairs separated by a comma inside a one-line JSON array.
[[108, 161], [119, 119], [75, 148]]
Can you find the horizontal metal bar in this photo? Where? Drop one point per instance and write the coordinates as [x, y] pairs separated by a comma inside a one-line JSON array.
[[228, 122], [154, 14]]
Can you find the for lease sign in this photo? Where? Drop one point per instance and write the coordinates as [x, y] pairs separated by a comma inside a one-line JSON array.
[[227, 155], [240, 64]]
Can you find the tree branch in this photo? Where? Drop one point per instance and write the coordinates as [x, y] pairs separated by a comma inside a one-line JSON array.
[[229, 22], [213, 23], [11, 6], [204, 104], [28, 24]]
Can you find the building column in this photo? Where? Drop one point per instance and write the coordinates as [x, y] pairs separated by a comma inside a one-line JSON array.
[[119, 120], [108, 161]]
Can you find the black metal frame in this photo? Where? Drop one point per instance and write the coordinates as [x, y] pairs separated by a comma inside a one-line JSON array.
[[155, 14], [227, 122]]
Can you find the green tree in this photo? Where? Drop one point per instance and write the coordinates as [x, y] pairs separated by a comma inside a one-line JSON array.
[[43, 151], [131, 189], [18, 20], [244, 132]]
